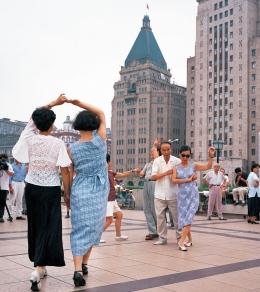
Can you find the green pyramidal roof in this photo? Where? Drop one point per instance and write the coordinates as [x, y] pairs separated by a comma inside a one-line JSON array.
[[146, 48]]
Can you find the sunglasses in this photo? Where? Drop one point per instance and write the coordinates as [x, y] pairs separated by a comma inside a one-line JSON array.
[[185, 155]]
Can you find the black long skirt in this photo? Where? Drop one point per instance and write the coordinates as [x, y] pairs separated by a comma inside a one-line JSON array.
[[45, 246], [253, 206]]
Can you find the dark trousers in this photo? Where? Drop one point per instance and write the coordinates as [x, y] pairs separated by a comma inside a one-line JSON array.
[[3, 196]]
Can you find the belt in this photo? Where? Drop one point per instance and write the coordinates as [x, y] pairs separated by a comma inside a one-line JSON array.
[[215, 185], [149, 180], [18, 180]]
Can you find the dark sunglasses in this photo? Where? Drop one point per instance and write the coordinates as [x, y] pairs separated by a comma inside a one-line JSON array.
[[184, 155]]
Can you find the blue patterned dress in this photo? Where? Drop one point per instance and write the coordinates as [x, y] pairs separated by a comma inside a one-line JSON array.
[[187, 196], [89, 194]]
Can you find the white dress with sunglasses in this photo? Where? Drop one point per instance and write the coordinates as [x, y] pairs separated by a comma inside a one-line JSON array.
[[187, 196]]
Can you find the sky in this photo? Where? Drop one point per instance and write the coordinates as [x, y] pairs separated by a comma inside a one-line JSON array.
[[77, 47]]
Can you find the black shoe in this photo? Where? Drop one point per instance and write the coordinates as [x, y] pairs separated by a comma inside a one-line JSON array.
[[2, 220], [222, 218], [249, 221], [253, 222], [209, 218], [20, 218], [84, 269], [172, 224], [25, 212], [236, 203], [243, 204], [10, 219], [78, 279]]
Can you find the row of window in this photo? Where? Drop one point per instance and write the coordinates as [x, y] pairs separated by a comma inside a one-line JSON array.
[[221, 14], [220, 4]]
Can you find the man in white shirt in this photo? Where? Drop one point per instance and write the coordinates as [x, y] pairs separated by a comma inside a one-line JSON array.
[[165, 191], [4, 185], [213, 179]]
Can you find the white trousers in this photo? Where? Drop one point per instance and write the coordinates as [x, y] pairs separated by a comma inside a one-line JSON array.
[[17, 197], [160, 206]]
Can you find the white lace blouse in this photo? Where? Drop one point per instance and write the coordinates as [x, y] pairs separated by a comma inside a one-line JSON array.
[[44, 153]]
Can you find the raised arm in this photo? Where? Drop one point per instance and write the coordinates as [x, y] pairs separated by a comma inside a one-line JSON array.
[[127, 173], [102, 128], [201, 167]]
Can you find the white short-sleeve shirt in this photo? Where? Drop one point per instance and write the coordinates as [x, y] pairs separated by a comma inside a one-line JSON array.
[[4, 179], [44, 153], [164, 188]]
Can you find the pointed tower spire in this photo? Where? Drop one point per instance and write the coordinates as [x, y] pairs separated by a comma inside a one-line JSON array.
[[146, 48]]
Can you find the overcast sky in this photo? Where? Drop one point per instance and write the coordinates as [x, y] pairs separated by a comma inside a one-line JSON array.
[[77, 47]]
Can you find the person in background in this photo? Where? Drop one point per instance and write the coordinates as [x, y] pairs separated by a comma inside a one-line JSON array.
[[16, 187], [241, 189], [148, 193], [184, 174], [253, 194], [24, 212], [4, 184], [43, 192], [113, 210], [213, 179], [224, 186]]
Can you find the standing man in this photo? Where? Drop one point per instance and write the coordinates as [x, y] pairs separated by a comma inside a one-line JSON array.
[[241, 189], [148, 194], [17, 189], [4, 185], [214, 179], [165, 191]]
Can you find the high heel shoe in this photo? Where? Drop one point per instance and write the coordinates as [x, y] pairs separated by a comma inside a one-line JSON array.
[[78, 279], [35, 280], [182, 248], [254, 222], [84, 269], [188, 244]]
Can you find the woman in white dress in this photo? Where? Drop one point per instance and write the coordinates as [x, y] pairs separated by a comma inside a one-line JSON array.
[[45, 155]]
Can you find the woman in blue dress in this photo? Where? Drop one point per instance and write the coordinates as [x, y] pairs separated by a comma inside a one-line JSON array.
[[89, 188], [184, 174]]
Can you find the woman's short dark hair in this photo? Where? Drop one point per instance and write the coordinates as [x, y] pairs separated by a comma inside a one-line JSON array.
[[43, 118], [108, 157], [254, 165], [86, 121], [185, 148]]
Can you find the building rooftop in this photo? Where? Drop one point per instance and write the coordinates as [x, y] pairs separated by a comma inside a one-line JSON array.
[[146, 48]]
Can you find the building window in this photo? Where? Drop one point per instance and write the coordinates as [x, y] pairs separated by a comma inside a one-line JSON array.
[[231, 70], [220, 15], [253, 89], [215, 17], [253, 127], [231, 23], [210, 19], [210, 97], [253, 114], [210, 108], [226, 13], [231, 93], [253, 65], [226, 2], [220, 4], [231, 81], [253, 101], [253, 77], [231, 35], [192, 101], [210, 41], [253, 139], [231, 58], [210, 30], [192, 122], [210, 86], [231, 11], [253, 52], [192, 112], [215, 6], [231, 47], [230, 141], [253, 151]]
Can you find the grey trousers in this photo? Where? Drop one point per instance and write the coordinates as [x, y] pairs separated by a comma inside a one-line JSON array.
[[160, 206], [215, 198], [148, 206]]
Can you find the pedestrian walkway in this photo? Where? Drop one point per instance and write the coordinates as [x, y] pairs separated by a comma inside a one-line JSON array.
[[225, 257]]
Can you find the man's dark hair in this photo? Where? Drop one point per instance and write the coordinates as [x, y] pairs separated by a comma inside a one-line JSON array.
[[238, 169], [86, 121], [3, 155], [185, 148], [108, 157], [166, 142], [254, 165], [43, 119]]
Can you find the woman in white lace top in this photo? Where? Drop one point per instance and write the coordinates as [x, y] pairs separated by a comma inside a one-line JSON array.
[[45, 154]]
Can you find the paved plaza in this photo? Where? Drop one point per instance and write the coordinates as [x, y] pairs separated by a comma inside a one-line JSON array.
[[225, 257]]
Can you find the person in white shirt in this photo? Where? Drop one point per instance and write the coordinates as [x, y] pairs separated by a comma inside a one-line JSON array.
[[45, 154], [213, 180], [165, 191], [253, 194], [4, 185], [224, 186]]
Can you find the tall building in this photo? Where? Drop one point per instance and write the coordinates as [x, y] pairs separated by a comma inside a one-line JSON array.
[[146, 105], [223, 83]]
